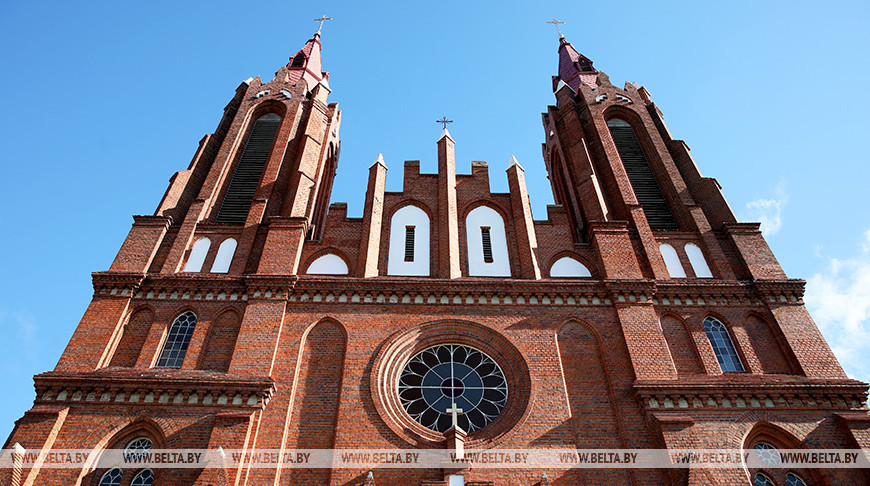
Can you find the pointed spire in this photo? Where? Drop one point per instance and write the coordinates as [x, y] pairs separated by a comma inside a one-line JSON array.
[[514, 162], [574, 68], [380, 160], [306, 64], [445, 133]]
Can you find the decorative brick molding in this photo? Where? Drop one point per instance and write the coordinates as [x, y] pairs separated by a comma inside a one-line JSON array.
[[749, 391], [146, 387]]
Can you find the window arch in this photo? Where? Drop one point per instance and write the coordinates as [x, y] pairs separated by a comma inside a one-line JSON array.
[[699, 263], [416, 245], [197, 255], [328, 264], [177, 341], [144, 478], [224, 256], [487, 243], [761, 479], [112, 477], [246, 178], [792, 479], [569, 267], [672, 261], [643, 181], [719, 338]]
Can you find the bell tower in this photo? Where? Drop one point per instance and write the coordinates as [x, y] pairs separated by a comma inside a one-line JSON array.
[[263, 179]]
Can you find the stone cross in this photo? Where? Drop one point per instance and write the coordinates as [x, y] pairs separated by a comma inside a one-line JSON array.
[[556, 23], [454, 411], [445, 121], [322, 19]]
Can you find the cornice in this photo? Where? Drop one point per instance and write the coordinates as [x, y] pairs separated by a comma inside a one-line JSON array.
[[145, 387], [735, 391]]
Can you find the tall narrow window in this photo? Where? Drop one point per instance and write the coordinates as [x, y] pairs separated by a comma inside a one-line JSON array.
[[176, 343], [237, 201], [409, 243], [487, 244], [722, 346], [641, 176]]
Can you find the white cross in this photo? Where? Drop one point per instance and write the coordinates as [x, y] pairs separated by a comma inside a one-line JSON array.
[[454, 411]]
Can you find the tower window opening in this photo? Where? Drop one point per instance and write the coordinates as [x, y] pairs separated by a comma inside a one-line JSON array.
[[177, 341], [723, 347], [298, 60], [409, 243], [487, 244]]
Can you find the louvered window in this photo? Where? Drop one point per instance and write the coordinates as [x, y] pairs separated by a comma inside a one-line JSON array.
[[643, 181], [237, 201], [487, 244], [409, 243]]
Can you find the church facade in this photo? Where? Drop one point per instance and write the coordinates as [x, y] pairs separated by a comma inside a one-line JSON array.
[[247, 313]]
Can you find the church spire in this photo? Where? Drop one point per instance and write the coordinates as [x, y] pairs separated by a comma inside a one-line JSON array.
[[574, 68], [306, 64]]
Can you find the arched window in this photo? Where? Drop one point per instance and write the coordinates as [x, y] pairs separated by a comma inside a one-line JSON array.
[[641, 176], [569, 267], [224, 256], [177, 341], [672, 261], [405, 243], [144, 478], [722, 346], [487, 243], [329, 264], [699, 263], [237, 201], [111, 478], [136, 449], [761, 479], [197, 255], [792, 479]]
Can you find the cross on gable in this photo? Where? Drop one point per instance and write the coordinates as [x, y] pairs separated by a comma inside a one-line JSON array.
[[445, 121], [454, 411]]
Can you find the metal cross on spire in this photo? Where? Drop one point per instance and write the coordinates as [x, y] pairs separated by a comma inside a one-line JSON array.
[[444, 121], [556, 23], [322, 19]]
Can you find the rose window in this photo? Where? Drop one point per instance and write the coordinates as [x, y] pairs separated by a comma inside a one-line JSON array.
[[438, 377]]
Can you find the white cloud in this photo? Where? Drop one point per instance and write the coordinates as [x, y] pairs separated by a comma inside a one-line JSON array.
[[839, 300], [769, 211]]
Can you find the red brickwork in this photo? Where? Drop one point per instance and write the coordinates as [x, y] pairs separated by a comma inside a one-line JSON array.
[[280, 358]]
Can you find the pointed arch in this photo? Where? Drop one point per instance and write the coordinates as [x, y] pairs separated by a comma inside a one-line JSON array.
[[317, 394], [588, 389], [135, 333], [249, 169], [723, 345], [765, 344], [672, 261], [221, 342], [643, 181], [177, 340], [685, 355]]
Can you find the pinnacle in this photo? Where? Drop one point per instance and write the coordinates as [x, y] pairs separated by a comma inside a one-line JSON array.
[[380, 160], [514, 162], [445, 133]]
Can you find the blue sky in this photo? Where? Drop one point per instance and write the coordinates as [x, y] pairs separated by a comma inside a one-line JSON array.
[[104, 101]]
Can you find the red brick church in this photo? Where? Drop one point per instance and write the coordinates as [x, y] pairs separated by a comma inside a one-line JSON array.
[[249, 313]]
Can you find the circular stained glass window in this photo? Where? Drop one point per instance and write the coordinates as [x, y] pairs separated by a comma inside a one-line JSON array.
[[438, 377]]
